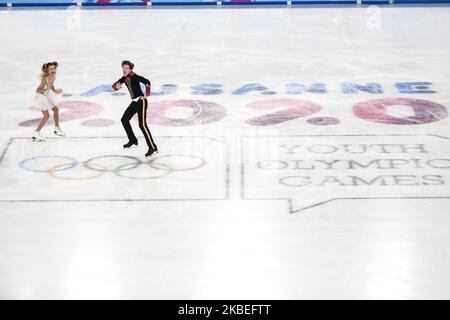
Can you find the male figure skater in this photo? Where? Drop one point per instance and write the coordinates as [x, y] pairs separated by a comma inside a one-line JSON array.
[[138, 105]]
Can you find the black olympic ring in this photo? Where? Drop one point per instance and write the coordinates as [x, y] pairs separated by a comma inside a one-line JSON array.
[[133, 165]]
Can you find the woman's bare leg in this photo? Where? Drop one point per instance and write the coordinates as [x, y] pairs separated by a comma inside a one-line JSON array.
[[43, 120], [56, 115]]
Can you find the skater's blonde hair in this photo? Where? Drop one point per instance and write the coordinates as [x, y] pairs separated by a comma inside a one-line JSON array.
[[45, 68]]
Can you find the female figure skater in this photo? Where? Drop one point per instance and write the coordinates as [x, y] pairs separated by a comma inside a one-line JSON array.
[[138, 105], [45, 101]]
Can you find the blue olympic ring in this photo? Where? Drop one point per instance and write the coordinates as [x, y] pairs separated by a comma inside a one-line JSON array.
[[69, 166]]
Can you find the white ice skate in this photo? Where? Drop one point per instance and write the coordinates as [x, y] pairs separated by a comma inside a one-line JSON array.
[[37, 137], [57, 131]]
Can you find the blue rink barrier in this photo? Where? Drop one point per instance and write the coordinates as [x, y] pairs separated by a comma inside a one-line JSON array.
[[40, 4], [422, 1], [184, 3], [116, 4], [252, 3], [156, 3], [375, 2], [324, 2]]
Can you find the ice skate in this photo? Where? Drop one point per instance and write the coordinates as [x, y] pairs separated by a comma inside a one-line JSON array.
[[131, 144], [57, 131], [151, 152], [37, 137]]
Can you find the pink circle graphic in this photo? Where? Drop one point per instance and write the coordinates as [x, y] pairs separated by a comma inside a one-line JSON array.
[[293, 109], [203, 112], [424, 111]]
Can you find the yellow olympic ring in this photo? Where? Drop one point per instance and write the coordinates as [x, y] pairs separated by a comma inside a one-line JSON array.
[[52, 172]]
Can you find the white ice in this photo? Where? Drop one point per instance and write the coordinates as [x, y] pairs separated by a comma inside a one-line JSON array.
[[226, 229]]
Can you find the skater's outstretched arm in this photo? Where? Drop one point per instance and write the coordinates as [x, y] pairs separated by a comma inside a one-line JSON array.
[[118, 84]]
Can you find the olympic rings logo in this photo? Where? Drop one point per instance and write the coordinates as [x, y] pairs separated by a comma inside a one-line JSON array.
[[156, 164]]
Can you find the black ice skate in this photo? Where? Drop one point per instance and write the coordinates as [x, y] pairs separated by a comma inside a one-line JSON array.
[[151, 152], [131, 144]]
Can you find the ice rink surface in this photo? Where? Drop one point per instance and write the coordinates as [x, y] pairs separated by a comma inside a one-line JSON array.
[[304, 154]]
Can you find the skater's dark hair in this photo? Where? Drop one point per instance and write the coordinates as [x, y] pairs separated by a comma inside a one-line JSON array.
[[128, 63], [45, 67]]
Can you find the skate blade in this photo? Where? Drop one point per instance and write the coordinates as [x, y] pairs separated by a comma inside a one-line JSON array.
[[59, 135], [152, 155], [132, 147], [38, 140]]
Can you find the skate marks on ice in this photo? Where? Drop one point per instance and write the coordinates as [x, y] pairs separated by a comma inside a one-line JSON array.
[[312, 170], [98, 169]]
